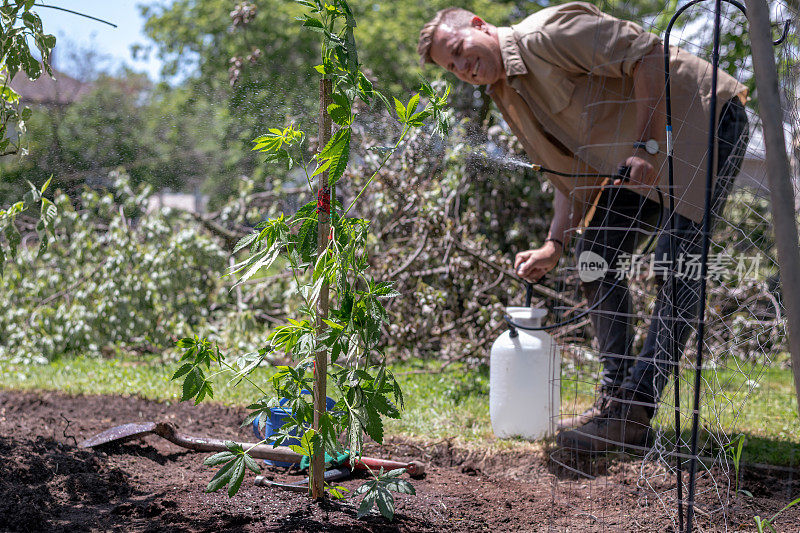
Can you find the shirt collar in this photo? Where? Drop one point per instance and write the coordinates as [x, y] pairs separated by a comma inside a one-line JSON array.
[[509, 50]]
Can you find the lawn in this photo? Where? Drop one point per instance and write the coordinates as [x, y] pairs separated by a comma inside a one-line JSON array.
[[454, 403]]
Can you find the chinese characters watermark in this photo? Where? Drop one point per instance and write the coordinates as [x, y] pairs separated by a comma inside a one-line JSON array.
[[719, 267]]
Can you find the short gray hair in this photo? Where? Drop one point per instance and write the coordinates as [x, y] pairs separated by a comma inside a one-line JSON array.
[[453, 16]]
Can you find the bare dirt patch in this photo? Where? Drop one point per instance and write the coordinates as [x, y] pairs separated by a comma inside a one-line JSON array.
[[47, 483]]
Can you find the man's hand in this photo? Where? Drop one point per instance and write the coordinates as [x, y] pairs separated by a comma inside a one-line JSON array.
[[532, 265], [642, 172]]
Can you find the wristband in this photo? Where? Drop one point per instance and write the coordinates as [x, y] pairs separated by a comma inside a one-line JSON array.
[[555, 240]]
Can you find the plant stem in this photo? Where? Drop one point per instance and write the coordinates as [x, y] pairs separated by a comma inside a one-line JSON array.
[[385, 159], [246, 378], [321, 356]]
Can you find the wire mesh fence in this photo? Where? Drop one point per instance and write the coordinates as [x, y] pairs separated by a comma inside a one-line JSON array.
[[744, 342]]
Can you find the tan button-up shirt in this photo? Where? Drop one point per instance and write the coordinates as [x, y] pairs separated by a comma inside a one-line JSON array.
[[569, 98]]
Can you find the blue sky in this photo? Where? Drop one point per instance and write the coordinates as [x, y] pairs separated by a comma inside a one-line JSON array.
[[72, 30]]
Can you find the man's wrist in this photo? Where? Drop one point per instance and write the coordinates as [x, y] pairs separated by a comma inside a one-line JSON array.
[[556, 241], [642, 153]]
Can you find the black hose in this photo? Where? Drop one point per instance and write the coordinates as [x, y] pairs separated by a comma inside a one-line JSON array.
[[624, 174]]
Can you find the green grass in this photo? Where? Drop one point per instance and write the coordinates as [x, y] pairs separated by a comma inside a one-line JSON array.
[[454, 404], [736, 398]]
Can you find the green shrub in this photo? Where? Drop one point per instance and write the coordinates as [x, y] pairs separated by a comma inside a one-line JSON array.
[[116, 276]]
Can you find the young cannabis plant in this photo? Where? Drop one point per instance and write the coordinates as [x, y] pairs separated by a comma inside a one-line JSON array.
[[363, 386], [379, 492]]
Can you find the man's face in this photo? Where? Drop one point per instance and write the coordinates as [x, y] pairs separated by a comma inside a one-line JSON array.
[[471, 53]]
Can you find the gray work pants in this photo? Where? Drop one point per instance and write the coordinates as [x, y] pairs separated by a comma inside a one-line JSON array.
[[616, 229]]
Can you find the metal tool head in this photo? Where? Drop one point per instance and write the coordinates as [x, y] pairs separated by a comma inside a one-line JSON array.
[[120, 434], [416, 469]]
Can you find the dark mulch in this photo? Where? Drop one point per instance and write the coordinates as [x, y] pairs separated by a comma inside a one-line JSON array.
[[48, 484]]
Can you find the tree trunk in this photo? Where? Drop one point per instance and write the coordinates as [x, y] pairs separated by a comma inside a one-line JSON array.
[[778, 174]]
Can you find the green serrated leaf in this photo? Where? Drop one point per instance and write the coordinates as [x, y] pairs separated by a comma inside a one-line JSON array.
[[236, 477], [374, 426], [182, 370], [299, 449], [321, 168], [356, 436], [313, 24], [262, 260], [400, 109], [340, 110], [185, 342], [385, 289], [412, 105], [365, 487], [244, 242], [367, 501], [385, 502], [193, 383], [222, 476], [219, 458], [338, 151], [385, 407], [338, 492], [251, 464], [365, 87], [205, 390]]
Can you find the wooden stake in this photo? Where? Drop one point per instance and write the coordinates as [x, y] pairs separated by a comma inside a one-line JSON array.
[[778, 174], [323, 233]]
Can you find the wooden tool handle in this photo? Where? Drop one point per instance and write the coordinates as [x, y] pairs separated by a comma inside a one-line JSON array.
[[202, 444], [266, 451], [415, 468]]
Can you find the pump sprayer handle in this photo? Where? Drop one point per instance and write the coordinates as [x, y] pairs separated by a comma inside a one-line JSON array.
[[528, 293], [624, 173]]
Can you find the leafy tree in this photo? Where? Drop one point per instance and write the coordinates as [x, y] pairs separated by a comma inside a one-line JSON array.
[[263, 70], [19, 25], [163, 136]]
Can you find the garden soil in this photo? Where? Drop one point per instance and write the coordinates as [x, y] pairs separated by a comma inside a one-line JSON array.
[[48, 484]]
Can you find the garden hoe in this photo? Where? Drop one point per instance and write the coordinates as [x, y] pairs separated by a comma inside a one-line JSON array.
[[167, 431]]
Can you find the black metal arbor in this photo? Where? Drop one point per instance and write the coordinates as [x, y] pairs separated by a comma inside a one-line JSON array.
[[687, 524]]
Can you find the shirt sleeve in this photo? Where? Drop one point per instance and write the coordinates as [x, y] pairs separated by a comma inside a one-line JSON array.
[[582, 40]]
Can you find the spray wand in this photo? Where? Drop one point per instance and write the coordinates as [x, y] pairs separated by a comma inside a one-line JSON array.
[[623, 174]]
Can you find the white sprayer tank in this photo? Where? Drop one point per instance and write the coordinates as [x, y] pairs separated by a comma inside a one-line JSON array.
[[524, 379]]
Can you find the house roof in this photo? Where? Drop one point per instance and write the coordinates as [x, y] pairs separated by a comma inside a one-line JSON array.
[[62, 90]]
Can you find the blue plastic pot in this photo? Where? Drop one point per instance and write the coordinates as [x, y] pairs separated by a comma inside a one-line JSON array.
[[277, 419]]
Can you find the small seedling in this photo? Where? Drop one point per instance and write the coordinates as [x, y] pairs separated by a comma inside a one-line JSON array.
[[734, 449], [379, 492], [768, 524]]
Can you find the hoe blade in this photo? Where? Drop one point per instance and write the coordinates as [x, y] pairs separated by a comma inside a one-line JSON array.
[[120, 434]]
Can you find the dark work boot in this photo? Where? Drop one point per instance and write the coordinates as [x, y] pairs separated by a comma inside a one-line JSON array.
[[620, 424], [602, 397]]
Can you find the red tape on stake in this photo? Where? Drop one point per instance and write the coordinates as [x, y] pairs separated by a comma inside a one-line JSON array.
[[324, 201]]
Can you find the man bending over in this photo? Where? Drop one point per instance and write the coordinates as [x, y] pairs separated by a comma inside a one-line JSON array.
[[584, 93]]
